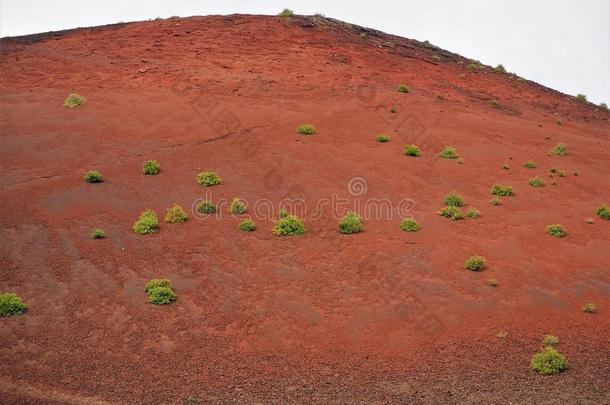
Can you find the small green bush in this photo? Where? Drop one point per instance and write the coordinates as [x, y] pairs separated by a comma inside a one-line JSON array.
[[501, 190], [449, 152], [175, 214], [74, 100], [393, 110], [151, 167], [529, 164], [473, 213], [550, 340], [556, 230], [454, 200], [288, 226], [589, 308], [282, 213], [412, 150], [146, 223], [98, 233], [11, 304], [157, 282], [93, 176], [500, 69], [561, 149], [536, 182], [604, 212], [382, 138], [206, 207], [494, 103], [475, 263], [237, 206], [247, 225], [207, 179], [495, 201], [306, 129], [286, 13], [548, 361], [402, 88], [582, 98], [410, 225], [451, 212], [350, 223], [161, 295]]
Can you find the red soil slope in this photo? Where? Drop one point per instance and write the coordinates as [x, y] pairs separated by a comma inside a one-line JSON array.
[[376, 317]]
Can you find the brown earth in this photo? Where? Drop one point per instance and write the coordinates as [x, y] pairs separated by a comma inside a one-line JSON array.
[[382, 316]]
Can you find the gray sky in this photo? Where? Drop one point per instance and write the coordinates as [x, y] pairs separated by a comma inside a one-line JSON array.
[[563, 44]]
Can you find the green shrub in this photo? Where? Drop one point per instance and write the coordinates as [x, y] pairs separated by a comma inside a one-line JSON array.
[[473, 213], [157, 282], [409, 225], [412, 150], [604, 212], [582, 98], [11, 304], [449, 152], [147, 223], [382, 138], [175, 214], [207, 179], [556, 230], [492, 282], [500, 69], [529, 164], [589, 308], [401, 88], [536, 182], [494, 103], [502, 190], [550, 340], [350, 223], [161, 295], [237, 206], [451, 212], [206, 207], [495, 201], [151, 167], [282, 213], [286, 13], [306, 129], [454, 200], [289, 225], [561, 149], [74, 100], [98, 233], [393, 110], [93, 176], [247, 225], [475, 263], [548, 361]]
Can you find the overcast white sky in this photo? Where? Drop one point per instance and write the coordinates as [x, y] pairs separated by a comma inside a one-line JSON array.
[[563, 44]]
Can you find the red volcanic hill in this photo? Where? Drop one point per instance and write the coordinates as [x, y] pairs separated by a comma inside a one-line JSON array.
[[381, 315]]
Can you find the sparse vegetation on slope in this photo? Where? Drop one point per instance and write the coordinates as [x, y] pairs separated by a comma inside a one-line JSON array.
[[74, 100], [288, 226], [548, 361], [453, 199], [206, 207], [175, 214], [151, 167], [237, 206], [160, 291], [93, 176], [409, 225], [475, 263], [98, 233], [449, 152], [561, 149], [350, 223], [604, 212], [402, 88], [451, 212], [306, 129], [207, 179], [247, 225], [412, 150], [556, 230], [11, 304], [536, 182], [501, 190], [146, 223], [382, 138]]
